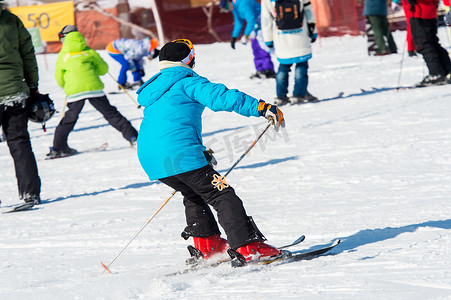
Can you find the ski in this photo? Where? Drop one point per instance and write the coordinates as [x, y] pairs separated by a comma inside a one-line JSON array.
[[297, 256], [94, 149], [20, 207], [197, 262], [238, 260]]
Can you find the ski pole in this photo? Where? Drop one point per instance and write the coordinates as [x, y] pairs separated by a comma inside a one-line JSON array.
[[249, 149], [125, 91], [106, 267], [400, 68]]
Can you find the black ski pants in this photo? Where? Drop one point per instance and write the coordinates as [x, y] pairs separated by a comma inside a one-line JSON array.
[[199, 192], [109, 112], [424, 35], [14, 122]]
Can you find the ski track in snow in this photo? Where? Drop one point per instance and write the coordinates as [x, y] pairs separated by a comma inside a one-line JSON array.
[[372, 168]]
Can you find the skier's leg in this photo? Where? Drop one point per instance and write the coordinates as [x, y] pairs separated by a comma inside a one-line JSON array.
[[377, 23], [14, 123], [66, 125], [282, 81], [300, 79], [122, 78], [229, 207], [114, 117], [199, 218], [424, 34]]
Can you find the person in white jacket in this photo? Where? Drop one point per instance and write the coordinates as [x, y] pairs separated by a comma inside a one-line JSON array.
[[291, 43]]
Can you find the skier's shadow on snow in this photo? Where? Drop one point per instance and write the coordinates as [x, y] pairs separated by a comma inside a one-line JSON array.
[[369, 236], [365, 93], [262, 164], [130, 186]]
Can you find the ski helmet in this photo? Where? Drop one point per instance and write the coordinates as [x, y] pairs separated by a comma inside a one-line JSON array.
[[41, 110], [179, 50], [66, 29]]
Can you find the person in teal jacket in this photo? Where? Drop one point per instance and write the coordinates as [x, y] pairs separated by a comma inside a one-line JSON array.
[[170, 149], [376, 12], [78, 70]]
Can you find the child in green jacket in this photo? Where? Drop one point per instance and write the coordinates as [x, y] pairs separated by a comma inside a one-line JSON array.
[[77, 70]]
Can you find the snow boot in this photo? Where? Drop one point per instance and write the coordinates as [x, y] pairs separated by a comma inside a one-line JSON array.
[[257, 251], [211, 245], [281, 101], [32, 199], [63, 153], [432, 80]]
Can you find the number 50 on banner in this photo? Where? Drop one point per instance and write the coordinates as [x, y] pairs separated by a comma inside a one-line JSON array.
[[49, 18]]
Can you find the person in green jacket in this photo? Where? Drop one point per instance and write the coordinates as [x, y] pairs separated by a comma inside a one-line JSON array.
[[19, 87], [78, 70]]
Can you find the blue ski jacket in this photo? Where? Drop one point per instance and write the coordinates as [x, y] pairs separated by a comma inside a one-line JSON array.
[[375, 8], [245, 11], [169, 139]]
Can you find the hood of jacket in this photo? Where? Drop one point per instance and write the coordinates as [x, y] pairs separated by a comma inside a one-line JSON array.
[[160, 83], [74, 42]]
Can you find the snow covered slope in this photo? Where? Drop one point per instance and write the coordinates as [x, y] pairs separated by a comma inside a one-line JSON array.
[[372, 168]]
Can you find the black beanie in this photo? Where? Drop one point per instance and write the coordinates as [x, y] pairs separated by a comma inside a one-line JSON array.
[[175, 51]]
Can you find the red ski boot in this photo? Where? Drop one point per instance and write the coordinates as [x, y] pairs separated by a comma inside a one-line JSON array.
[[257, 251], [211, 245]]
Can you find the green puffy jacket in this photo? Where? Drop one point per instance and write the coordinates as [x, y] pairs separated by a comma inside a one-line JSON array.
[[78, 67], [17, 58]]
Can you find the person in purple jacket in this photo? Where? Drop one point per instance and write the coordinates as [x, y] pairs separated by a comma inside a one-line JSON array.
[[249, 11]]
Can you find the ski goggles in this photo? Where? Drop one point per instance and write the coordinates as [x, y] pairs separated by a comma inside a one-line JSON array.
[[187, 60]]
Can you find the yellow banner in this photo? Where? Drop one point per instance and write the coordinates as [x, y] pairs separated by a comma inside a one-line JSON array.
[[49, 18]]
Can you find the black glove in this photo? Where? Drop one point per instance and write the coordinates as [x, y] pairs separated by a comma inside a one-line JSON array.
[[34, 96], [211, 160], [232, 42], [142, 73], [312, 34]]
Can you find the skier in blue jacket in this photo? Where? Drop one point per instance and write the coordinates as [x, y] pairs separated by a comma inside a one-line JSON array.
[[170, 149]]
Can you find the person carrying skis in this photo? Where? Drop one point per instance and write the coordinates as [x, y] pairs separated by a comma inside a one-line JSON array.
[[130, 53], [291, 33], [77, 71], [170, 149], [19, 87]]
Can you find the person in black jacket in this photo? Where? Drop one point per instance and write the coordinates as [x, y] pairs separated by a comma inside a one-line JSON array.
[[19, 82]]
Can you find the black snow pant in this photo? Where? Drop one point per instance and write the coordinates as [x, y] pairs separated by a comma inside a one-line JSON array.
[[198, 191], [109, 112], [14, 122], [424, 35]]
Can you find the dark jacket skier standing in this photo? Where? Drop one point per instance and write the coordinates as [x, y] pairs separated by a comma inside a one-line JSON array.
[[19, 83]]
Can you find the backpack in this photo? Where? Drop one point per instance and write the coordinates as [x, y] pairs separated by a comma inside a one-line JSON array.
[[288, 14]]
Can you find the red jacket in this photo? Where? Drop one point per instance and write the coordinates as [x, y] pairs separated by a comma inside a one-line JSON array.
[[425, 9]]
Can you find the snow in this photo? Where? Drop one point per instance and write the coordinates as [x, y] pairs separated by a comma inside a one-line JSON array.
[[372, 168]]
